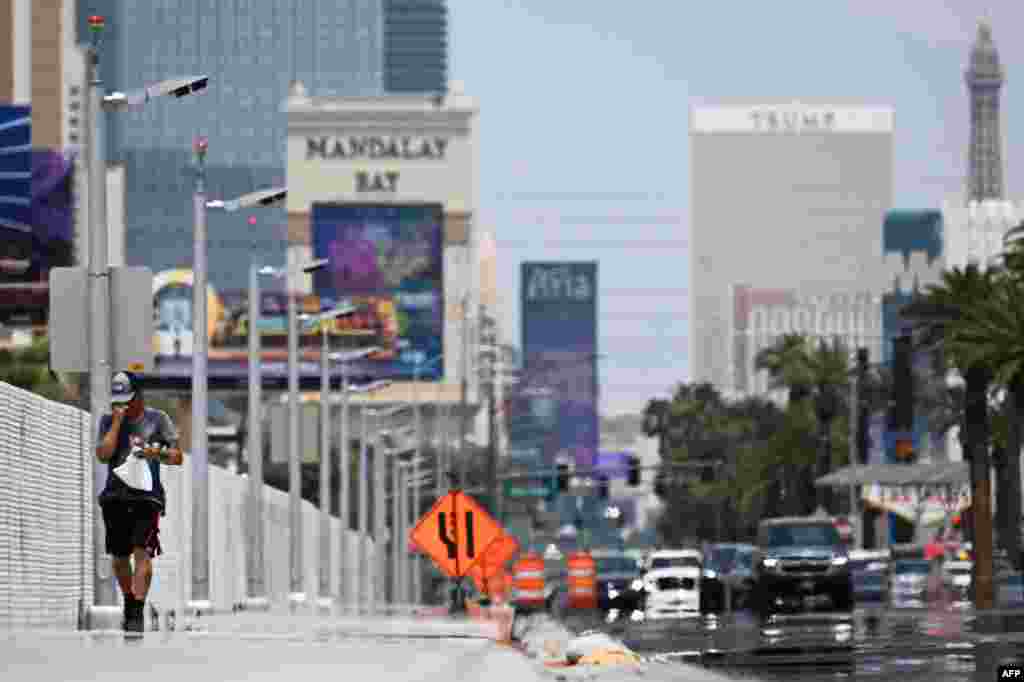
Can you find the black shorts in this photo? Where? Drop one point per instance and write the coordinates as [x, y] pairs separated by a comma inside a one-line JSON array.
[[129, 525]]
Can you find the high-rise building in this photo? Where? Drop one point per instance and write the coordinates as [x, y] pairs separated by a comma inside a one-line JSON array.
[[252, 51], [785, 197], [42, 76], [984, 78], [415, 46]]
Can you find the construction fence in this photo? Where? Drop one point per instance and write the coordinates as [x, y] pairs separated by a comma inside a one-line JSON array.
[[47, 509]]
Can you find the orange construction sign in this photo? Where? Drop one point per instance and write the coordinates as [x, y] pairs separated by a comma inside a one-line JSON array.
[[487, 573], [456, 533]]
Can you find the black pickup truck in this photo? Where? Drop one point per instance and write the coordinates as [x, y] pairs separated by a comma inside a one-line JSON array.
[[799, 559]]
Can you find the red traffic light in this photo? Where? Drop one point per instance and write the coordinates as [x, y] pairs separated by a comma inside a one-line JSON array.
[[96, 22], [252, 220]]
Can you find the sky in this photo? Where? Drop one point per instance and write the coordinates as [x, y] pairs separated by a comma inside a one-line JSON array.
[[583, 136]]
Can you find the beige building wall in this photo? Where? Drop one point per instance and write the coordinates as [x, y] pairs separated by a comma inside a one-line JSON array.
[[7, 51], [48, 22]]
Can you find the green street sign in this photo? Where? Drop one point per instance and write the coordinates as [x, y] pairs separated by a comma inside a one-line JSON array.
[[526, 488]]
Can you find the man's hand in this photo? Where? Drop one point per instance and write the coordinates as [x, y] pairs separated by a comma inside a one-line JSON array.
[[152, 451]]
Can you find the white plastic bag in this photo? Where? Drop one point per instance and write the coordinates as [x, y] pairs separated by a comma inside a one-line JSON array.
[[135, 472]]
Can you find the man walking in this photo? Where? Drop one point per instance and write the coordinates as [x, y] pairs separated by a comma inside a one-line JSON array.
[[134, 440]]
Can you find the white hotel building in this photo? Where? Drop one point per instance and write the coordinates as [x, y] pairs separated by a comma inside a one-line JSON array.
[[788, 202]]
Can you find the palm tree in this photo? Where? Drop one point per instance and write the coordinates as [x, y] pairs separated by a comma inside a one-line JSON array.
[[786, 364], [939, 319], [992, 335], [829, 365], [814, 373]]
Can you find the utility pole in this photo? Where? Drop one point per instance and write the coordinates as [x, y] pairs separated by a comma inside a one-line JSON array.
[[464, 397], [99, 303], [855, 387], [200, 402]]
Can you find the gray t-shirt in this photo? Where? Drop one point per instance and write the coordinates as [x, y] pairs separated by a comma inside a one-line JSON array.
[[154, 428]]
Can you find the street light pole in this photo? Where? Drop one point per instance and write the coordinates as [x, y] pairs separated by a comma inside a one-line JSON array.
[[397, 535], [858, 518], [99, 302], [464, 397], [325, 465], [200, 404], [256, 569], [378, 522], [364, 552], [294, 466], [416, 567], [344, 488]]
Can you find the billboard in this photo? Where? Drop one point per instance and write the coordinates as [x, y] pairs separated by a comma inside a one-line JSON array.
[[36, 219], [386, 263], [559, 341], [389, 261], [531, 416]]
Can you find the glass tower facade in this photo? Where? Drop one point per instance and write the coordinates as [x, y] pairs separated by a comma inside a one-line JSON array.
[[415, 46], [252, 50]]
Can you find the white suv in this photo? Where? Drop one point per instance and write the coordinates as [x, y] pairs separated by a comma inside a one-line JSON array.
[[671, 583]]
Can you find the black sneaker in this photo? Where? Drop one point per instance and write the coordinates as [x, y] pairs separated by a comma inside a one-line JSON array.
[[133, 615], [135, 625]]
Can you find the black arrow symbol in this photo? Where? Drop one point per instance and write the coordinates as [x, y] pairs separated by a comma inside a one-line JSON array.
[[442, 533], [470, 547]]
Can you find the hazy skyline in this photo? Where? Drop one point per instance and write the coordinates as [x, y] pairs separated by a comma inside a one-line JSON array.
[[584, 132]]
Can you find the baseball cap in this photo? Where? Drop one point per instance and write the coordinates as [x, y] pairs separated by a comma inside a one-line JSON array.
[[123, 388]]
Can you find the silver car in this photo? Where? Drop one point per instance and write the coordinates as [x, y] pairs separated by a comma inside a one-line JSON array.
[[908, 582]]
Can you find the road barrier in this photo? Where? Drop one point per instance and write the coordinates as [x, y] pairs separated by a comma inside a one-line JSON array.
[[582, 581], [528, 582]]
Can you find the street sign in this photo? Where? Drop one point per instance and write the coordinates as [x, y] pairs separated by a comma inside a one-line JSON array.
[[525, 488], [131, 319], [497, 553], [456, 533], [492, 563]]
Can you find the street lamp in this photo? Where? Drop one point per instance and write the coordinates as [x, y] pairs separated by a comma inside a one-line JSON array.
[[344, 485], [256, 597], [98, 283], [401, 523], [420, 364], [297, 593], [365, 560], [324, 586]]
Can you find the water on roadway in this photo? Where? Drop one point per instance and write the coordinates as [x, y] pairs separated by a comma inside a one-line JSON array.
[[872, 643]]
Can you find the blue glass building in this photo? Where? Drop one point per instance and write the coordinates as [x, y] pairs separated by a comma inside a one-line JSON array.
[[252, 50], [907, 233], [415, 46]]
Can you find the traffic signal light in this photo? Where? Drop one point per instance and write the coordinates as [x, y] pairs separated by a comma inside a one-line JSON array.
[[563, 477], [863, 414], [602, 487], [903, 384], [660, 487], [634, 472]]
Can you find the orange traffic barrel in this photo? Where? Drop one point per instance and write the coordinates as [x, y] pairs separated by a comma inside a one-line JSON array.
[[528, 581], [582, 581]]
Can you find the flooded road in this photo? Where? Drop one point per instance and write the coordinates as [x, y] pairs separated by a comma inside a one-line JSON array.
[[877, 643]]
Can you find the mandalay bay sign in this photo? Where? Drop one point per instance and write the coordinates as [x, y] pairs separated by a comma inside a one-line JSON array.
[[377, 147]]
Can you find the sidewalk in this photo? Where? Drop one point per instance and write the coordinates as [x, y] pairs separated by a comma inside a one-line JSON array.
[[274, 646]]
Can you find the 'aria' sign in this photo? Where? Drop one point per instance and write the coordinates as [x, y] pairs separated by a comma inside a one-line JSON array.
[[559, 283]]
